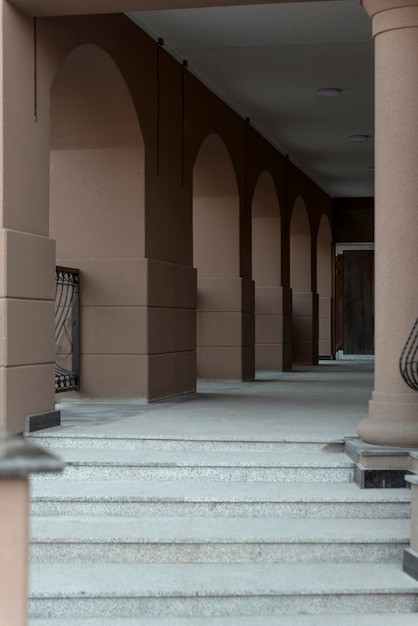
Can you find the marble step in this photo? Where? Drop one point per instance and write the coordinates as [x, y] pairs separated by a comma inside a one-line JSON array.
[[216, 540], [388, 619], [213, 499], [57, 438], [136, 590], [108, 464]]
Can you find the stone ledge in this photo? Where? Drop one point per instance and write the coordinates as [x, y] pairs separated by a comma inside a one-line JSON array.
[[41, 421], [412, 479]]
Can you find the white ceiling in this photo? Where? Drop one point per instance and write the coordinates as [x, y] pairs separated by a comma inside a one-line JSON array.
[[267, 60]]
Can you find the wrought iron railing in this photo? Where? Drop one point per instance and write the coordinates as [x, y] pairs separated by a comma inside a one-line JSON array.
[[408, 363], [67, 344]]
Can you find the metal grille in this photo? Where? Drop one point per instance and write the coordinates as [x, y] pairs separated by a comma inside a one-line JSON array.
[[408, 363], [67, 353]]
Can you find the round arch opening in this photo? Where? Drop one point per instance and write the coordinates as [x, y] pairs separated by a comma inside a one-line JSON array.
[[97, 184], [216, 239]]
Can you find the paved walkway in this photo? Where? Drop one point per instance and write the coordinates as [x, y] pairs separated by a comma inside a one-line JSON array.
[[321, 403]]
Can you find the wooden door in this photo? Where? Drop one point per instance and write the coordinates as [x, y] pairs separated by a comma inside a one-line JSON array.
[[355, 303]]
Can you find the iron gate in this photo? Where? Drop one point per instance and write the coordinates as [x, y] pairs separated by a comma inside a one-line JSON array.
[[67, 330], [408, 363]]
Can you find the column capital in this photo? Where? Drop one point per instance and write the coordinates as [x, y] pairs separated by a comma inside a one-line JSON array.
[[391, 14]]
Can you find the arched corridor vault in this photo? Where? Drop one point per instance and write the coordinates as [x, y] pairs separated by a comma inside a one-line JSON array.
[[97, 217]]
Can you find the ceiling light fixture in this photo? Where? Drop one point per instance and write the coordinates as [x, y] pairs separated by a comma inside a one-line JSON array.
[[328, 92], [358, 138]]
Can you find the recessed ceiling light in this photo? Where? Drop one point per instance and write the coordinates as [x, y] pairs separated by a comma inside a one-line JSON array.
[[358, 138], [328, 92]]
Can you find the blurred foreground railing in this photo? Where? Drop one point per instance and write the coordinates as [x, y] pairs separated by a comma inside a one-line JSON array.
[[408, 363], [18, 459]]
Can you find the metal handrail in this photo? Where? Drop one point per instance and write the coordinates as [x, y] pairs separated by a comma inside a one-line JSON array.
[[67, 352], [408, 362]]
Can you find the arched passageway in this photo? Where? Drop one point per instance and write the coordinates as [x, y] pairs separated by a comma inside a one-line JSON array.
[[97, 217], [324, 288], [266, 264], [303, 348], [216, 257]]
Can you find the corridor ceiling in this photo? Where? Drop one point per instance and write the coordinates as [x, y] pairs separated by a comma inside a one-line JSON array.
[[266, 60]]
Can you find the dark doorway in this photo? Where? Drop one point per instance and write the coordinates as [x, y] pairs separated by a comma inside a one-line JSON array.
[[355, 303]]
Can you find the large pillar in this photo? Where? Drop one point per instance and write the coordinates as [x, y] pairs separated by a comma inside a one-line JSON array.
[[27, 255], [393, 409]]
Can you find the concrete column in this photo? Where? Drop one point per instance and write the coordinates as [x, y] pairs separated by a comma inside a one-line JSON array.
[[225, 328], [270, 298], [305, 327], [27, 255], [324, 288], [393, 409]]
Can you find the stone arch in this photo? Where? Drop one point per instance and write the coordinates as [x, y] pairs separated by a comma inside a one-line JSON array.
[[215, 211], [301, 284], [216, 248], [266, 264], [324, 287], [97, 198]]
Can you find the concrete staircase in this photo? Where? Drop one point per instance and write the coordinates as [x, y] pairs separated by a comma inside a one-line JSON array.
[[214, 533]]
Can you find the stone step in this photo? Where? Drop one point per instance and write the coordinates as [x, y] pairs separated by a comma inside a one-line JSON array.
[[388, 619], [106, 464], [215, 540], [214, 499], [60, 439], [136, 590]]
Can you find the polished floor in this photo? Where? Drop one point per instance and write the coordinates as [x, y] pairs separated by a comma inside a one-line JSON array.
[[320, 403]]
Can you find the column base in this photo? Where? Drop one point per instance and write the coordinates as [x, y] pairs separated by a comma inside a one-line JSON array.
[[392, 420], [410, 562], [393, 432], [380, 467]]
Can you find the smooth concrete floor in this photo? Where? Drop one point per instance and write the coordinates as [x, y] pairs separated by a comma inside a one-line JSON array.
[[318, 403]]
